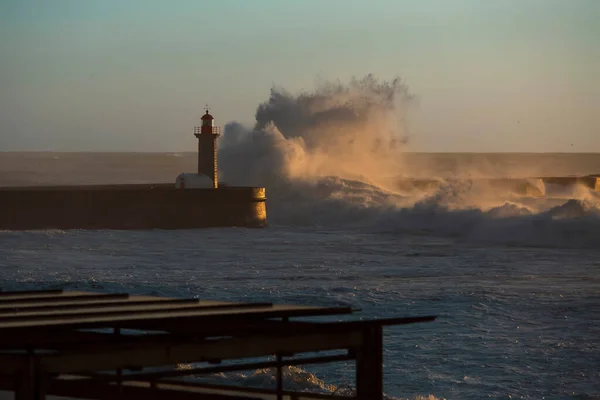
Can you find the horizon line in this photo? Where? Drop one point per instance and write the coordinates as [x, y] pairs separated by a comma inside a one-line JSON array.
[[194, 152]]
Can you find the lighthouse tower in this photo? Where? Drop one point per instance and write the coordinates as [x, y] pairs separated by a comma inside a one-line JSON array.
[[207, 135]]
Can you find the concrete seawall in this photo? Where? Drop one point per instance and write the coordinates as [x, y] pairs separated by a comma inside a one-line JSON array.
[[158, 206]]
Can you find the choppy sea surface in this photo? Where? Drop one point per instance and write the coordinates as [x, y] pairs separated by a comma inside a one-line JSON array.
[[514, 280]]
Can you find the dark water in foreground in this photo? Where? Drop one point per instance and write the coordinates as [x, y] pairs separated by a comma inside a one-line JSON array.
[[520, 322]]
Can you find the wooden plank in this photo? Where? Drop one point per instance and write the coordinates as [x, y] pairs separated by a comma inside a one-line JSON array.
[[43, 339], [29, 293], [263, 392], [84, 302], [222, 368], [175, 390], [42, 294], [29, 308], [72, 340], [129, 320], [352, 325], [59, 338], [126, 310], [274, 327], [88, 389], [48, 299], [160, 354], [212, 324]]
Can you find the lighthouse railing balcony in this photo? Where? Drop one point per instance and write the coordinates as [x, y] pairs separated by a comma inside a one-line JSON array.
[[216, 130]]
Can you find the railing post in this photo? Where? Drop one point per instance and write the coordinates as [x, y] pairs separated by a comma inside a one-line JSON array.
[[30, 383], [119, 371], [279, 376], [369, 364]]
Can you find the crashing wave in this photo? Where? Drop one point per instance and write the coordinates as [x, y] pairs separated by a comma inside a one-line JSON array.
[[574, 208], [334, 157], [508, 210]]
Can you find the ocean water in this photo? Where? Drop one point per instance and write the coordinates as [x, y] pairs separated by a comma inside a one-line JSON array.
[[513, 276], [514, 280]]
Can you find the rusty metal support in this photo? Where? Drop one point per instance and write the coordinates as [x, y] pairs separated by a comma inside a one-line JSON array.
[[279, 376], [45, 352], [140, 391], [14, 293], [154, 376], [30, 382], [119, 371], [369, 365], [50, 299], [158, 354]]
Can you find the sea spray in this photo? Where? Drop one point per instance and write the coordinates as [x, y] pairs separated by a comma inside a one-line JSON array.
[[352, 131], [336, 157]]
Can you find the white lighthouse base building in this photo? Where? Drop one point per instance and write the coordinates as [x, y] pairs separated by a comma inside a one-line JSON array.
[[190, 180]]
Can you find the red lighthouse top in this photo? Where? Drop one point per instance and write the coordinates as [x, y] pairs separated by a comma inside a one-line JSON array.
[[207, 116], [207, 127]]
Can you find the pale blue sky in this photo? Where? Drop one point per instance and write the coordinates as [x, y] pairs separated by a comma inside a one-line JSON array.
[[133, 75]]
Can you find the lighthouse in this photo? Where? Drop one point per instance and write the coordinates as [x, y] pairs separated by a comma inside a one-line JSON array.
[[207, 135]]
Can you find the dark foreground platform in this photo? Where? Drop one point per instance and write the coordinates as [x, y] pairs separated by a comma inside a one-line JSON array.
[[140, 206], [117, 346]]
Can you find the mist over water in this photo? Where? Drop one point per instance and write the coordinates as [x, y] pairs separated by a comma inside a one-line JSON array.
[[337, 155], [351, 131]]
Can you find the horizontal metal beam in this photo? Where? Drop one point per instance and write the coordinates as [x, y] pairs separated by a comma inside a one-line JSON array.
[[13, 309], [128, 311], [268, 328], [162, 319], [292, 395], [47, 339], [62, 298], [161, 354], [174, 390], [65, 339], [84, 389], [151, 376], [10, 293], [186, 324], [388, 321], [275, 327]]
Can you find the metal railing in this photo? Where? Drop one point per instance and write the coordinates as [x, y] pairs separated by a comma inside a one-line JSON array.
[[216, 130]]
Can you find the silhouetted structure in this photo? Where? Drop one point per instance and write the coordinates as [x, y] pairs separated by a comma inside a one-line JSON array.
[[207, 135], [75, 344]]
